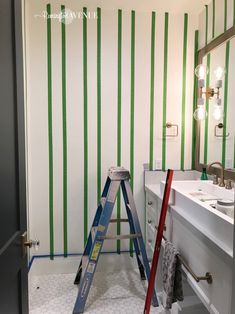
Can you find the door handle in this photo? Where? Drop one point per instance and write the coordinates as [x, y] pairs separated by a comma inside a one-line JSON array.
[[28, 243]]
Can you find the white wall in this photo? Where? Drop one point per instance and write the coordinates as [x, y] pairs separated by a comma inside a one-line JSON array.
[[37, 111]]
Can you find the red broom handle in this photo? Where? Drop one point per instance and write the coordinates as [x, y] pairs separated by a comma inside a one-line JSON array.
[[157, 248]]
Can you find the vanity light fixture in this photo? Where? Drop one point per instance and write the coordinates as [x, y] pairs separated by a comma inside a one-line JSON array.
[[200, 113]]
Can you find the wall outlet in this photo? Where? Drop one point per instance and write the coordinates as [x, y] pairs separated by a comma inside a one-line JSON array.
[[158, 164], [229, 163]]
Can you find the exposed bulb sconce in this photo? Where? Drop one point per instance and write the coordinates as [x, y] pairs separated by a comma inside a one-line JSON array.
[[200, 113], [201, 72], [218, 112]]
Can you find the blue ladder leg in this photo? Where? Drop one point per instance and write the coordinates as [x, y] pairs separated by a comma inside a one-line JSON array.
[[133, 231], [127, 193], [97, 244], [94, 224]]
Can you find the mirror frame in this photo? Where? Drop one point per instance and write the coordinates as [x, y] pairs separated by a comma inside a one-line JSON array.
[[218, 41]]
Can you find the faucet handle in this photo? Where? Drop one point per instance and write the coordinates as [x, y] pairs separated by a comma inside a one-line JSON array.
[[215, 179], [221, 182], [228, 184]]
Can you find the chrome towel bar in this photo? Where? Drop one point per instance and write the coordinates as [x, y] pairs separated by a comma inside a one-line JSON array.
[[208, 277]]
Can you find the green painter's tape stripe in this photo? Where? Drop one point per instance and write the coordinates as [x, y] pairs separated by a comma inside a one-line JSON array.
[[213, 18], [64, 118], [152, 68], [85, 122], [225, 14], [233, 12], [50, 134], [184, 90], [98, 104], [206, 30], [165, 92], [225, 103], [132, 117], [119, 118], [194, 98], [207, 109]]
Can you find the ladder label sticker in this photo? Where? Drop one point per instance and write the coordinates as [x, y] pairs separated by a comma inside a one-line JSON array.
[[96, 251], [101, 228], [91, 268]]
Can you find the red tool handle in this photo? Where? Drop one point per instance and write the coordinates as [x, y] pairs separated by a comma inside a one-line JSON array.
[[157, 248]]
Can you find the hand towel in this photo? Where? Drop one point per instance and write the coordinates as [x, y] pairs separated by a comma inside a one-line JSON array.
[[172, 275]]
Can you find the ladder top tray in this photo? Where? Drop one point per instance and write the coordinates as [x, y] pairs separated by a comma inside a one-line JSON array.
[[118, 173]]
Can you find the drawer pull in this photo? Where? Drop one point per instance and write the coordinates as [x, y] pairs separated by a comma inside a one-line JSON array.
[[156, 227], [150, 203], [149, 221]]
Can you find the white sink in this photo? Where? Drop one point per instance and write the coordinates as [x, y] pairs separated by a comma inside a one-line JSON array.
[[194, 200]]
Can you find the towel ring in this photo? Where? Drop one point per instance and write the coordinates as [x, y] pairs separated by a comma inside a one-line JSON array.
[[171, 125], [220, 126]]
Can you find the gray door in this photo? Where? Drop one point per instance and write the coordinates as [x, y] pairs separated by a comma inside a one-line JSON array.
[[13, 262]]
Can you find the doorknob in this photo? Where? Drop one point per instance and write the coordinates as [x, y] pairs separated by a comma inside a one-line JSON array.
[[28, 243], [32, 243]]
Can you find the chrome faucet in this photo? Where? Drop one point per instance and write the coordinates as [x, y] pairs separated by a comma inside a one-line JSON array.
[[221, 183]]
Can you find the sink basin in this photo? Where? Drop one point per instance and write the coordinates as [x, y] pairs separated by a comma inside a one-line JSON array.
[[206, 187], [194, 200]]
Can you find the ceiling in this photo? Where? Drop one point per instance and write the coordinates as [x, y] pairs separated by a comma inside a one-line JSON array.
[[172, 6]]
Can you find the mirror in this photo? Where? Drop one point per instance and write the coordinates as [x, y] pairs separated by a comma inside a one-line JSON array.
[[218, 129], [216, 134]]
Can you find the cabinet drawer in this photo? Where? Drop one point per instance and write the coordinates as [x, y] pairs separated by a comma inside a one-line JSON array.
[[151, 236], [151, 201], [151, 217]]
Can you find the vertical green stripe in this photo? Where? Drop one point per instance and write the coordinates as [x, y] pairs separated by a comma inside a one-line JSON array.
[[213, 19], [119, 115], [50, 134], [184, 89], [132, 113], [152, 68], [165, 92], [85, 123], [194, 98], [98, 104], [233, 12], [225, 14], [225, 103], [207, 109], [206, 30], [64, 122]]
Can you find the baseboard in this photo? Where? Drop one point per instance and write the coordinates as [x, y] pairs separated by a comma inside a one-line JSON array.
[[109, 261]]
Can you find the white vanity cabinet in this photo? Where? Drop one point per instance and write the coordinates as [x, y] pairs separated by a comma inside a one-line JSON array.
[[198, 251]]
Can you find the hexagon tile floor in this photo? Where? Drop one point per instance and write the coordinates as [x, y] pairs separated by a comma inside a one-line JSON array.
[[117, 292]]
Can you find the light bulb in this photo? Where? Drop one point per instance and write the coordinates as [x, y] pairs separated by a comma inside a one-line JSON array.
[[219, 72], [200, 113], [218, 112], [201, 71]]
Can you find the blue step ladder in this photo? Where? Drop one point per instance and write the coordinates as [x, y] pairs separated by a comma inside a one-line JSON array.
[[118, 177]]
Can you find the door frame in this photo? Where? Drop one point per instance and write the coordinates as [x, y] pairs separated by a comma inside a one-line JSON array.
[[20, 129]]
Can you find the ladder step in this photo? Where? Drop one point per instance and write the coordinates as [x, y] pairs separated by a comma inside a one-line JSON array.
[[119, 220], [120, 237]]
